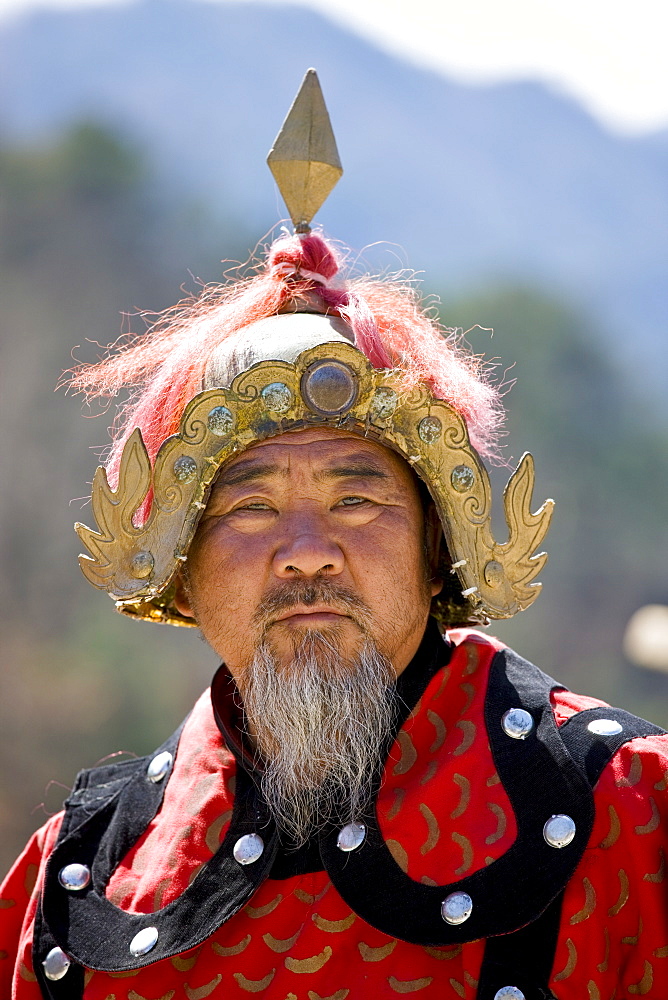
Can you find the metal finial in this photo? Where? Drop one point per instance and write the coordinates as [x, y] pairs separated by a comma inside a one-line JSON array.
[[304, 159]]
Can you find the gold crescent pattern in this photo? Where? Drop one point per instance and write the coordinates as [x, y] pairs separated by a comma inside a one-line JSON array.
[[662, 785], [469, 691], [589, 903], [398, 853], [612, 836], [234, 949], [278, 945], [334, 926], [214, 831], [339, 995], [370, 954], [136, 564], [458, 987], [570, 964], [262, 911], [409, 985], [399, 794], [439, 726], [254, 985], [465, 790], [408, 753], [467, 852], [634, 938], [645, 984], [472, 659], [653, 823], [312, 964], [6, 904], [309, 898], [623, 893], [186, 962], [432, 827], [501, 823], [592, 990], [202, 991], [494, 780], [430, 772], [661, 952], [443, 954], [634, 775], [468, 728], [470, 980], [427, 881], [133, 995], [26, 974], [603, 966]]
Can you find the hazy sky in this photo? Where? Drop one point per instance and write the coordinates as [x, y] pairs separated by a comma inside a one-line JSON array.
[[610, 54]]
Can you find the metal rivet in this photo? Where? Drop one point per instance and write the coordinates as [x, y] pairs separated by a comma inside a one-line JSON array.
[[159, 766], [56, 964], [185, 469], [559, 830], [74, 878], [142, 565], [277, 397], [509, 993], [248, 848], [329, 387], [383, 403], [462, 478], [493, 573], [456, 908], [220, 421], [351, 837], [605, 727], [430, 429], [144, 941], [517, 722]]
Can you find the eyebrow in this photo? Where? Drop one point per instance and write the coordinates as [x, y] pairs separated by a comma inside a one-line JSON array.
[[246, 472]]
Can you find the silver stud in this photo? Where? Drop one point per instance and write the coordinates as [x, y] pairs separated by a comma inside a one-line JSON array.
[[220, 421], [493, 573], [144, 941], [430, 429], [509, 993], [462, 478], [185, 469], [559, 830], [605, 727], [142, 565], [456, 908], [56, 964], [351, 837], [517, 723], [248, 848], [159, 766], [74, 878], [383, 403], [329, 387], [277, 397]]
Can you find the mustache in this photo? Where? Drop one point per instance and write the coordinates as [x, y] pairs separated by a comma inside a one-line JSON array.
[[307, 593]]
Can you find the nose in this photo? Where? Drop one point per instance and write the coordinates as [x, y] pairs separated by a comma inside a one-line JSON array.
[[307, 551]]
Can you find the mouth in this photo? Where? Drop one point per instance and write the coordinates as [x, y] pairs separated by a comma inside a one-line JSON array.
[[311, 617]]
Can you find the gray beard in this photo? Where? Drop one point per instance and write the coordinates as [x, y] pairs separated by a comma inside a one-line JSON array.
[[319, 723]]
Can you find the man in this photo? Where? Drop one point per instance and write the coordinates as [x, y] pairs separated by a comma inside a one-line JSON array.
[[361, 806]]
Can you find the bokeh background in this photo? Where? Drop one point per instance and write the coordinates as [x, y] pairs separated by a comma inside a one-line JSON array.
[[132, 145]]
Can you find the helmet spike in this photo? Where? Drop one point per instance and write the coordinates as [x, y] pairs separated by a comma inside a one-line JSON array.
[[304, 159]]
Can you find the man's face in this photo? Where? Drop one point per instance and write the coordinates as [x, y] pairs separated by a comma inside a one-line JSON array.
[[313, 531]]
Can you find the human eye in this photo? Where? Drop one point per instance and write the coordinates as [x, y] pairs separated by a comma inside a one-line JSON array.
[[352, 501]]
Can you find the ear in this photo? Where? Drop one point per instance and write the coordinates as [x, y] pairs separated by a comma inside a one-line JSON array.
[[182, 595], [433, 541]]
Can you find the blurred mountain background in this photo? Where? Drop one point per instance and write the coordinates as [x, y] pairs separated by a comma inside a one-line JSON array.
[[132, 146]]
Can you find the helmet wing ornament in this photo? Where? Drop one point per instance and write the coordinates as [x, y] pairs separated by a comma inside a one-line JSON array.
[[331, 385]]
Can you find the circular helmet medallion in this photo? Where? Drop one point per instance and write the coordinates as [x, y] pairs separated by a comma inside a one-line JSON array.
[[329, 388]]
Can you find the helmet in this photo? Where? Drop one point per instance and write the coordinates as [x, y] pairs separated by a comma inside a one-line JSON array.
[[294, 348]]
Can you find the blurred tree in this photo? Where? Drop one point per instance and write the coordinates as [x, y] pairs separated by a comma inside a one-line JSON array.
[[84, 229], [599, 457]]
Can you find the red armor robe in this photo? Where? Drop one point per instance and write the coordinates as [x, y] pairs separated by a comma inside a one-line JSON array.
[[443, 813]]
